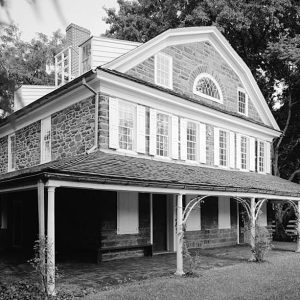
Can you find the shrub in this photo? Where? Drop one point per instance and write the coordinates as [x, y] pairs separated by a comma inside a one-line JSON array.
[[262, 243], [192, 261]]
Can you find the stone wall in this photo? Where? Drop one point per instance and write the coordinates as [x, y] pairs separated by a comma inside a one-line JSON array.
[[209, 238], [73, 129], [28, 146], [3, 154], [190, 60]]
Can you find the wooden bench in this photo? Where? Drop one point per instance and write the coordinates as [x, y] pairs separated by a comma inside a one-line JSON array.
[[148, 250]]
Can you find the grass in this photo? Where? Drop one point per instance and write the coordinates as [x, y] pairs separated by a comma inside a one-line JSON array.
[[276, 279]]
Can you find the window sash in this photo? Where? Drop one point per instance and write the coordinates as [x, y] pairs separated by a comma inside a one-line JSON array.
[[162, 134], [223, 148], [244, 153], [191, 139], [163, 70], [261, 157], [126, 126]]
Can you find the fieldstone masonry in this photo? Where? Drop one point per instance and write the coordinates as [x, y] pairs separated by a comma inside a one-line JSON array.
[[73, 129], [190, 60], [28, 146], [3, 155]]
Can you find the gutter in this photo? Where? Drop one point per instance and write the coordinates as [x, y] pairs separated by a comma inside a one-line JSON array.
[[96, 115]]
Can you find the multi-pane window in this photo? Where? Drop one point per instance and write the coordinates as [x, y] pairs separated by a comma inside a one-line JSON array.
[[206, 86], [11, 152], [46, 140], [242, 102], [86, 57], [261, 156], [126, 126], [244, 153], [191, 129], [223, 148], [162, 134], [163, 70]]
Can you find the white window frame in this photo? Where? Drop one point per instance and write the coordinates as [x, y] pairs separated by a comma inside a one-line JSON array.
[[258, 156], [122, 221], [241, 90], [169, 136], [202, 75], [10, 166], [227, 149], [247, 152], [44, 157], [197, 142], [170, 61], [134, 131]]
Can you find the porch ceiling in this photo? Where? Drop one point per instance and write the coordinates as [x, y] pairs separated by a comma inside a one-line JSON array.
[[108, 168]]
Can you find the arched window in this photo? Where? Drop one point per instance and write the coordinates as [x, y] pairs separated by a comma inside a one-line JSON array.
[[206, 86]]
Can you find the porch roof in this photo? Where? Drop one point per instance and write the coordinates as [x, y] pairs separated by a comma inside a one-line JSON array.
[[110, 168]]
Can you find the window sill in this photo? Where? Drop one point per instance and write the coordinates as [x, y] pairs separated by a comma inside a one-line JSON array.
[[158, 157], [131, 152]]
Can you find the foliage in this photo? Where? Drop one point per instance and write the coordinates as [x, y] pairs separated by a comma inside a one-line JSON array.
[[25, 62], [192, 261], [42, 264], [262, 243]]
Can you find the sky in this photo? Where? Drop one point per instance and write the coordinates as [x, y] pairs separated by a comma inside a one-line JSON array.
[[45, 19]]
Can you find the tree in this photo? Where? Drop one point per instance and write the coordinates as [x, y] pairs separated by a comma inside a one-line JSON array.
[[25, 62]]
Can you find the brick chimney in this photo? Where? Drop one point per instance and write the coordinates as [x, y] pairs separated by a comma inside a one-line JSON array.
[[75, 35]]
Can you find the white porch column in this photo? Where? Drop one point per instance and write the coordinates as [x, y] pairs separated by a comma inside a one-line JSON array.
[[298, 229], [252, 228], [41, 210], [179, 254], [51, 241]]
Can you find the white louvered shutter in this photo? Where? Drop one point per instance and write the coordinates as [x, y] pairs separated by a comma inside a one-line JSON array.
[[268, 157], [252, 154], [46, 140], [9, 153], [183, 150], [216, 146], [202, 145], [141, 129], [238, 151], [175, 137], [152, 144], [113, 123], [231, 150]]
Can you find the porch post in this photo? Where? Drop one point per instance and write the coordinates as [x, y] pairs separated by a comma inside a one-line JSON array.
[[179, 254], [252, 228], [41, 210], [298, 229], [51, 242]]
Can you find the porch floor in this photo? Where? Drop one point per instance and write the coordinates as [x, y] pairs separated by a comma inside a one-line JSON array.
[[101, 276]]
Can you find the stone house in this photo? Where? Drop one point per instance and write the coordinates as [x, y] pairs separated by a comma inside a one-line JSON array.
[[131, 133]]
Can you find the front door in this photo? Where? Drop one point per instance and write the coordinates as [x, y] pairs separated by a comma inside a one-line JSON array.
[[159, 222]]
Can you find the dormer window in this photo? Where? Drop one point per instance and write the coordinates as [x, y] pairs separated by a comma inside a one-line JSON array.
[[207, 87], [242, 102], [163, 70]]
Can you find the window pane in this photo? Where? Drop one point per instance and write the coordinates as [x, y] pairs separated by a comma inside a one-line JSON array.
[[244, 147], [162, 135], [242, 102], [191, 140], [163, 76], [126, 126], [223, 144], [261, 156], [206, 86]]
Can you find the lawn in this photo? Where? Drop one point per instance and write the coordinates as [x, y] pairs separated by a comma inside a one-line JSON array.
[[277, 278]]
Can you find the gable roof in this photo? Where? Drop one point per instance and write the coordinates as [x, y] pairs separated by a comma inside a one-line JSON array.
[[106, 168], [178, 36]]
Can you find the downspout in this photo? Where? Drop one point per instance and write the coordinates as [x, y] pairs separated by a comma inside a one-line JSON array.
[[96, 115]]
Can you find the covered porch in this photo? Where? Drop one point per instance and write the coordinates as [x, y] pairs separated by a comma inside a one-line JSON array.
[[92, 183]]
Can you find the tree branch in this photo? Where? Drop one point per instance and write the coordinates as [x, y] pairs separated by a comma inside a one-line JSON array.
[[294, 174]]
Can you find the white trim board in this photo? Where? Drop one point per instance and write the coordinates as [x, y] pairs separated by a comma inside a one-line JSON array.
[[178, 36], [116, 187]]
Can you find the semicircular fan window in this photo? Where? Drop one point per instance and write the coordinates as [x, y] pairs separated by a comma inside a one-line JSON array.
[[207, 87]]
